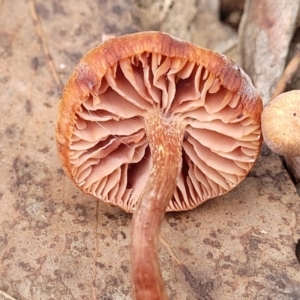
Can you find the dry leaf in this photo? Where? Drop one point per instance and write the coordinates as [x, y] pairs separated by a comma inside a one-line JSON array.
[[265, 33]]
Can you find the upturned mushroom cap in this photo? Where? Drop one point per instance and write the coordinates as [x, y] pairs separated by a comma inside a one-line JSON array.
[[281, 124], [101, 137]]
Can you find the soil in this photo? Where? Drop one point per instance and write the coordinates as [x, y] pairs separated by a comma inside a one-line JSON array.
[[57, 243]]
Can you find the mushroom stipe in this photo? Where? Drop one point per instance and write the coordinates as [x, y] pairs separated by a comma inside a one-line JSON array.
[[152, 124]]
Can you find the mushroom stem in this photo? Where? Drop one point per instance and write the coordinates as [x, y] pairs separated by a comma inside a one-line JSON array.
[[165, 136]]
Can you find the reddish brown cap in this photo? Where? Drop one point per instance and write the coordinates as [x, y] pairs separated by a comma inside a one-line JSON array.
[[101, 137]]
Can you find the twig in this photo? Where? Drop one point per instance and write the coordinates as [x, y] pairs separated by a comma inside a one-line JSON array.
[[168, 247], [6, 296], [40, 34], [288, 73]]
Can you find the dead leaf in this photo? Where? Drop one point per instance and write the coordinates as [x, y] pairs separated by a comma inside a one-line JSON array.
[[265, 32]]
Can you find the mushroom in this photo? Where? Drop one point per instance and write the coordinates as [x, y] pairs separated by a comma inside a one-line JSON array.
[[151, 124], [281, 124]]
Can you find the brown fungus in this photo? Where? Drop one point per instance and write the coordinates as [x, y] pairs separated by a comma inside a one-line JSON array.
[[281, 124], [151, 124]]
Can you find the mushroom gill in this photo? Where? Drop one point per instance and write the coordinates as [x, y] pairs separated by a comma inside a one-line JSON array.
[[109, 151]]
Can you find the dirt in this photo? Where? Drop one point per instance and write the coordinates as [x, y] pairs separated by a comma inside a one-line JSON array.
[[57, 243]]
